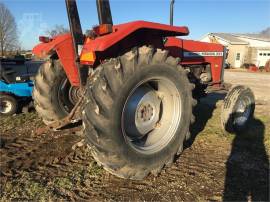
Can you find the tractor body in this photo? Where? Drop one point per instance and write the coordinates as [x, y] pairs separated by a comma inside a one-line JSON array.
[[123, 37], [134, 86]]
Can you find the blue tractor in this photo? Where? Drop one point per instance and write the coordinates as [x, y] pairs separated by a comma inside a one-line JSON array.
[[15, 90]]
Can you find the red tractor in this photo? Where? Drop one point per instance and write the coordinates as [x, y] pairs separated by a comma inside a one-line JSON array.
[[134, 85]]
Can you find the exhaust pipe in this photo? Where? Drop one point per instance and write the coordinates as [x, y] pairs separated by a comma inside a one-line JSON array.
[[171, 12]]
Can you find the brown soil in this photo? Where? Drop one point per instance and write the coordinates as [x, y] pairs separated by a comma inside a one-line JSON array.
[[214, 166], [258, 82]]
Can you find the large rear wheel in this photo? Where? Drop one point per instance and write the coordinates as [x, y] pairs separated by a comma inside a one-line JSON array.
[[54, 97], [138, 112]]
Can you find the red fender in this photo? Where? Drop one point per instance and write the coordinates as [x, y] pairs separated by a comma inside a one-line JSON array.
[[62, 45], [123, 30]]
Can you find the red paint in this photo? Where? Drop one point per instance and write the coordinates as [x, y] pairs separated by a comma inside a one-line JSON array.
[[63, 46], [103, 29], [66, 55], [121, 31], [253, 68], [44, 39], [149, 33], [177, 47]]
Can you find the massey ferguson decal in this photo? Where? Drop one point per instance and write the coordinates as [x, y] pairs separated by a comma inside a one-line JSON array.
[[203, 54]]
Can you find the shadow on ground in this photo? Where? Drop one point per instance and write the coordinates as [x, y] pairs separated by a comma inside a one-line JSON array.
[[247, 167], [203, 112]]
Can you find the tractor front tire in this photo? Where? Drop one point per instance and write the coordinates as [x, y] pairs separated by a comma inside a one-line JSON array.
[[137, 112], [51, 92], [237, 109]]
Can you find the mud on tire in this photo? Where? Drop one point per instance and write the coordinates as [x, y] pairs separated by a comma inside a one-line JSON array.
[[51, 102], [117, 146]]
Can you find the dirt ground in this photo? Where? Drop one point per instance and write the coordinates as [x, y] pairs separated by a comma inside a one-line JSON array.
[[215, 166], [258, 82]]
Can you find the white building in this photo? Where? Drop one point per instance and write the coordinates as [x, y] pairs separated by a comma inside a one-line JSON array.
[[243, 48]]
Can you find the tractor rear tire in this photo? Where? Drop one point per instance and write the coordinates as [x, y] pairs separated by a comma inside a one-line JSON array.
[[50, 94], [8, 105], [237, 109], [137, 112]]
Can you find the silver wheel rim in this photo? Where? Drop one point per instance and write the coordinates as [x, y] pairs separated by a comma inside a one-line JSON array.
[[5, 106], [243, 111], [151, 115]]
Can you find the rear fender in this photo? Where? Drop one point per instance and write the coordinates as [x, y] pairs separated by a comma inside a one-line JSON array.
[[124, 37], [128, 35], [122, 31], [61, 45]]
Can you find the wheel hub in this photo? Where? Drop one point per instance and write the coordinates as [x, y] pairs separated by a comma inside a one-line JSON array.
[[68, 95], [145, 113], [243, 111], [5, 106], [151, 114], [142, 112], [74, 94]]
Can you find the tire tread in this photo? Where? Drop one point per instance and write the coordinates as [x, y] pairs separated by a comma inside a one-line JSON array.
[[97, 125]]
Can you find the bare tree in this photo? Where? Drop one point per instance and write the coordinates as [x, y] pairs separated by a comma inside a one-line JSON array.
[[56, 30], [8, 30]]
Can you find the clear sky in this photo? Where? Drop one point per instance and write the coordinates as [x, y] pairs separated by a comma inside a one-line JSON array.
[[34, 17]]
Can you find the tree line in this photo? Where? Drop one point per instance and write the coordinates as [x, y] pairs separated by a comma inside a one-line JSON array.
[[9, 40]]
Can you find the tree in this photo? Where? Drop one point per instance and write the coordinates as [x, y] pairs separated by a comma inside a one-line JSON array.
[[8, 30], [56, 30]]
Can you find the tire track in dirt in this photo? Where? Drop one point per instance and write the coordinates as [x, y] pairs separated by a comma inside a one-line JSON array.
[[31, 152], [185, 180], [46, 157], [70, 174], [50, 156]]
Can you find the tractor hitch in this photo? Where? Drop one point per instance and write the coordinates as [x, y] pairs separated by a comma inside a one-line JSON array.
[[73, 117]]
